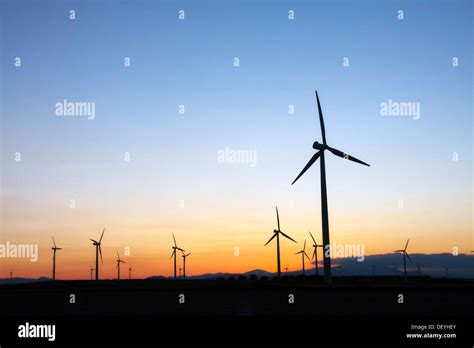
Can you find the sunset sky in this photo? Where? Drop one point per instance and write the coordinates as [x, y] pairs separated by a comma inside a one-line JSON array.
[[174, 156]]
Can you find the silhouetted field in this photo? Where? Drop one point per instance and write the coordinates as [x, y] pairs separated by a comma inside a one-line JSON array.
[[347, 297]]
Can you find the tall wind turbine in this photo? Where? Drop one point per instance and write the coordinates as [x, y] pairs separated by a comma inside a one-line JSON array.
[[175, 247], [405, 254], [303, 254], [55, 248], [130, 272], [315, 253], [324, 199], [184, 263], [276, 233], [119, 261], [98, 250], [92, 270]]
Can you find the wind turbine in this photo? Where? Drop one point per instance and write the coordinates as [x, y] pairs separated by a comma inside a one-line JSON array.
[[184, 263], [98, 250], [92, 270], [130, 272], [118, 265], [276, 233], [418, 268], [55, 248], [315, 253], [286, 269], [405, 254], [324, 199], [175, 247], [303, 254]]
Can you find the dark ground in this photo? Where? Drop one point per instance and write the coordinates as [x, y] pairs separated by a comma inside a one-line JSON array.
[[363, 309]]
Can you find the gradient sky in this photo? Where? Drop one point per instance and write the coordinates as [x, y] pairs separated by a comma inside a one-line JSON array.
[[174, 157]]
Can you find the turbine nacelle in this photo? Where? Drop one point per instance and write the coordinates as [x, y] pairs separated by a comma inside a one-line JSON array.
[[318, 146]]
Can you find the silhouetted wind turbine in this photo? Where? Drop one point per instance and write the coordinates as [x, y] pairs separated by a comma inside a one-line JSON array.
[[184, 263], [418, 268], [315, 253], [286, 269], [92, 270], [324, 199], [55, 248], [11, 275], [118, 265], [130, 272], [276, 233], [303, 254], [405, 254], [175, 247], [98, 250]]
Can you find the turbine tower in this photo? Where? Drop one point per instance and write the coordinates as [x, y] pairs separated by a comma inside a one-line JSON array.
[[315, 253], [175, 247], [54, 248], [276, 233], [98, 250], [303, 254], [184, 263], [324, 199], [405, 254], [118, 265]]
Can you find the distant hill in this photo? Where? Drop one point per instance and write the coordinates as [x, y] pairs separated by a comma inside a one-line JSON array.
[[433, 265], [23, 280]]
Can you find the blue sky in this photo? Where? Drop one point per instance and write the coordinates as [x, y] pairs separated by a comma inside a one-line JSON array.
[[282, 62]]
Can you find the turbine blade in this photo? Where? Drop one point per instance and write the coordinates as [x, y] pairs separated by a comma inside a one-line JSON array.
[[172, 254], [309, 164], [312, 238], [174, 241], [94, 241], [304, 245], [398, 251], [274, 235], [287, 236], [100, 240], [100, 252], [278, 219], [314, 254], [346, 156], [406, 244], [409, 258], [306, 255], [54, 242], [118, 255], [321, 121]]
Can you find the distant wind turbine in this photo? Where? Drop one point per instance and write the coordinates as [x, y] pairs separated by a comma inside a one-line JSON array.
[[119, 261], [54, 248], [92, 270], [286, 269], [418, 268], [276, 233], [315, 253], [130, 272], [303, 254], [405, 254], [98, 250], [173, 254], [324, 199], [184, 263]]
